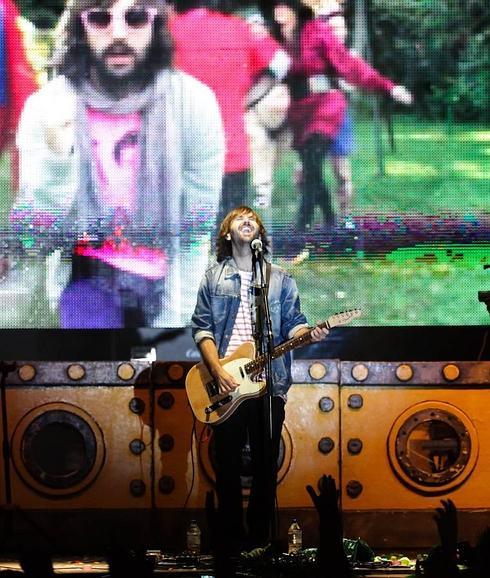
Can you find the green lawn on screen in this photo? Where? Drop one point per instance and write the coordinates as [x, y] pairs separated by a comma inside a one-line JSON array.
[[436, 167]]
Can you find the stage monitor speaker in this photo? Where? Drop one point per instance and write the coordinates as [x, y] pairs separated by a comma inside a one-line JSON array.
[[412, 434]]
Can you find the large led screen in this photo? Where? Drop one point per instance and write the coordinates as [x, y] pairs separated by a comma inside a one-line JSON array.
[[370, 168]]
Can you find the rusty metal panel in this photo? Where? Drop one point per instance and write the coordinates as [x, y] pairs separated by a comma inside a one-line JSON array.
[[316, 371], [82, 373], [421, 440], [180, 478], [442, 374], [312, 421], [188, 467], [73, 431], [89, 429]]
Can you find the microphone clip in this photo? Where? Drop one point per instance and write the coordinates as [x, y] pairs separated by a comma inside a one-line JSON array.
[[257, 248]]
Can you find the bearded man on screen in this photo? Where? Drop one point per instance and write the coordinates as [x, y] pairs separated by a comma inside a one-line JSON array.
[[121, 160]]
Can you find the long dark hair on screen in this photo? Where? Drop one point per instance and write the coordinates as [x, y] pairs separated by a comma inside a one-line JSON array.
[[303, 14], [73, 56]]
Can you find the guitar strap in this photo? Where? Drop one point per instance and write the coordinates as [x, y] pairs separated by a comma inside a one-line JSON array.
[[268, 268], [259, 321]]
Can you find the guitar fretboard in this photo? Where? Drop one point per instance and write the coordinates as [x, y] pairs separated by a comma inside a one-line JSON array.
[[256, 365], [253, 367]]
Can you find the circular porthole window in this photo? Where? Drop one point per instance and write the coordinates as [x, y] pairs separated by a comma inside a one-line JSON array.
[[58, 449], [433, 447]]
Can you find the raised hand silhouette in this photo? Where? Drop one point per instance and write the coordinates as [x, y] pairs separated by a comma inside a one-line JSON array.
[[331, 557]]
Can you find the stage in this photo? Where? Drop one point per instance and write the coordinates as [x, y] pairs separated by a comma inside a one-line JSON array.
[[166, 565]]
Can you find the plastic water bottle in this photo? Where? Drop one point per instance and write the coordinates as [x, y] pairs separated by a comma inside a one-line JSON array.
[[194, 538], [295, 537]]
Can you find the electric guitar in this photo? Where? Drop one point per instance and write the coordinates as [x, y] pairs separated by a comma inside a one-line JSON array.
[[211, 407]]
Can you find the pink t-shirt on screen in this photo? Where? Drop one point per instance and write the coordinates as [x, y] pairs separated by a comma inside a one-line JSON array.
[[116, 149]]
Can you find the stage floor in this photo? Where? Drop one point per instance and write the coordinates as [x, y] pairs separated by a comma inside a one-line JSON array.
[[91, 566]]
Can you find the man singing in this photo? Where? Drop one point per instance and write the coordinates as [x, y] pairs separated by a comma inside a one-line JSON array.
[[222, 320], [121, 158]]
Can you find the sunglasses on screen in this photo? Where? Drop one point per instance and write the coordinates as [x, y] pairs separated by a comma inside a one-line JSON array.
[[135, 18]]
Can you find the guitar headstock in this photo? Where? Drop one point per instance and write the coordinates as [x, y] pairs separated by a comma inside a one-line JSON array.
[[343, 317]]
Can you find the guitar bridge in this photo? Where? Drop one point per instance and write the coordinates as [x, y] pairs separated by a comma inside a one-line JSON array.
[[217, 404]]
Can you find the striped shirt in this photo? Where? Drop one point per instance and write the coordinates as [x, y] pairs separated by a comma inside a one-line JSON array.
[[242, 330]]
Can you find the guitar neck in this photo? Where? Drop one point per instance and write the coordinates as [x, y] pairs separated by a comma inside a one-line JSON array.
[[304, 339]]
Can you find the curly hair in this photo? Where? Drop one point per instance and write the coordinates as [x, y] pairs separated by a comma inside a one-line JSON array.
[[223, 245], [73, 58]]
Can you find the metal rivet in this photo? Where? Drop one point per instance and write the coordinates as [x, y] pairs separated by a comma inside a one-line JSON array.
[[354, 446], [360, 372], [175, 372], [126, 371], [355, 401], [354, 488], [137, 447], [166, 443], [27, 372], [326, 445], [137, 405], [404, 372], [137, 488], [166, 400], [317, 370], [76, 371], [166, 484], [326, 404], [451, 372]]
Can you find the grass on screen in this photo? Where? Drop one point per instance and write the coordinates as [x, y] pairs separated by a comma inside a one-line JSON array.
[[435, 167]]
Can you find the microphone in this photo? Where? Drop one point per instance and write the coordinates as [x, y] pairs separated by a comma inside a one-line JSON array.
[[256, 245]]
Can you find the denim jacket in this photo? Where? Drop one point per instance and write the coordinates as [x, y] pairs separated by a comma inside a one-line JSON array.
[[217, 306]]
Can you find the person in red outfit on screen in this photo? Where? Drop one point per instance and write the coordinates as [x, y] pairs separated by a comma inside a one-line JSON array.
[[221, 50], [17, 78], [318, 105]]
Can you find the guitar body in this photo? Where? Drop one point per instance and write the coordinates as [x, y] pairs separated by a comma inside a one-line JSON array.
[[209, 406], [202, 393]]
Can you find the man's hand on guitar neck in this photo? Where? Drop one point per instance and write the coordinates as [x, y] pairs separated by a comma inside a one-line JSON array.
[[209, 352]]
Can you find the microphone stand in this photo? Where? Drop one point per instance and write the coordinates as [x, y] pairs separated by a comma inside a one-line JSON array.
[[266, 344]]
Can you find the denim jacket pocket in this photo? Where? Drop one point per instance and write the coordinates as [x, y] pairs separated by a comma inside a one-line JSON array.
[[220, 306]]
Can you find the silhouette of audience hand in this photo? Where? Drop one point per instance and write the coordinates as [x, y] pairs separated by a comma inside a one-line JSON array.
[[331, 556], [35, 562], [446, 519], [326, 501], [441, 562]]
